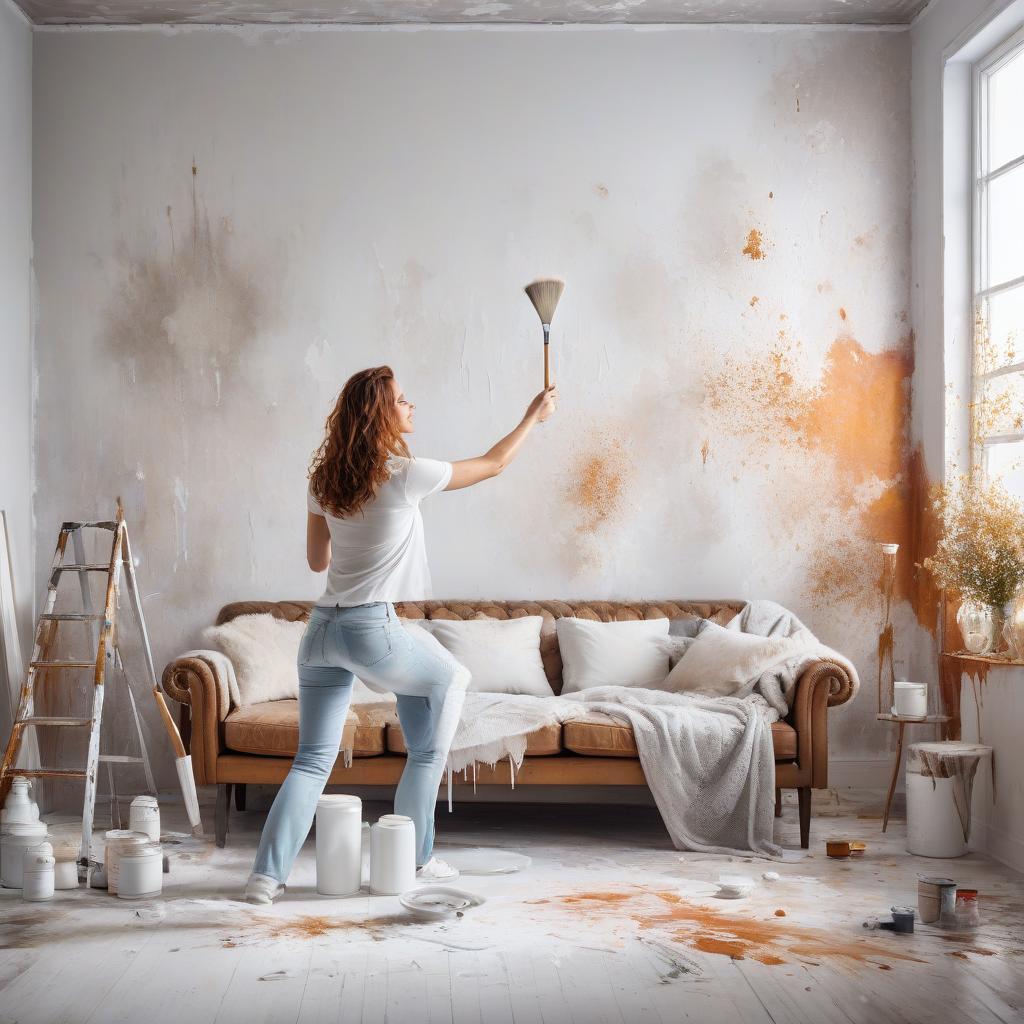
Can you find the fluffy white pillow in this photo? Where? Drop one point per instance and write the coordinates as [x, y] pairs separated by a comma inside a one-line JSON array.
[[612, 653], [503, 655], [724, 662], [263, 650]]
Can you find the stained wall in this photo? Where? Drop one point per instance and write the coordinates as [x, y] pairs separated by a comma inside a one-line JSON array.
[[15, 313], [230, 222]]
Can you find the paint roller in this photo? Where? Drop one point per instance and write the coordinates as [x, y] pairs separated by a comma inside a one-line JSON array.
[[544, 293]]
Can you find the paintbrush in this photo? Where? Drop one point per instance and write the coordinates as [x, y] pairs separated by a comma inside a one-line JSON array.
[[544, 294]]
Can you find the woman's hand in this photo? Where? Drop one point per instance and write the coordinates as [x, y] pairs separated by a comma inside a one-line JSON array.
[[543, 405]]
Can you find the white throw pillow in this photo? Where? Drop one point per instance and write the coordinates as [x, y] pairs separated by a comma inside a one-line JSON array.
[[611, 653], [724, 662], [263, 650], [503, 655]]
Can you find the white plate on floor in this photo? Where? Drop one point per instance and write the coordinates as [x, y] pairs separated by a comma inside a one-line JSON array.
[[436, 901], [479, 860]]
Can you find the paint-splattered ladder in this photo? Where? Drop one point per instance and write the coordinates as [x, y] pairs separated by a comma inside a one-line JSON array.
[[102, 638]]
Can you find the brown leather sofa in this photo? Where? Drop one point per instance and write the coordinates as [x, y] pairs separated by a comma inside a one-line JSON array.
[[231, 747]]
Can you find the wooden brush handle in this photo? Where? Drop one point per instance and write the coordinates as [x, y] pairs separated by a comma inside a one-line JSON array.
[[546, 372], [172, 729]]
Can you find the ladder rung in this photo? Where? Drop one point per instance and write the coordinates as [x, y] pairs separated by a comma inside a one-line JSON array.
[[50, 773], [70, 616], [120, 759], [71, 527], [62, 664], [53, 720], [105, 567]]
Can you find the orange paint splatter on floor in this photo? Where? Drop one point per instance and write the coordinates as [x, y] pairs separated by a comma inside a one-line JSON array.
[[780, 913], [842, 313], [705, 450], [755, 245], [713, 931], [754, 300]]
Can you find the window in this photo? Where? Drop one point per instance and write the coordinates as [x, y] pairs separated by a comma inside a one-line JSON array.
[[997, 409]]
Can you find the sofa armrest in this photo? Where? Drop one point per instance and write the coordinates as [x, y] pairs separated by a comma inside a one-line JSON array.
[[196, 682], [822, 684]]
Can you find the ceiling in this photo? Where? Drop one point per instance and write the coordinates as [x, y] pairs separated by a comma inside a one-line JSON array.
[[374, 12]]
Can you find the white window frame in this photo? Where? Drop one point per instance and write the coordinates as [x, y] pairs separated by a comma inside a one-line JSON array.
[[982, 175]]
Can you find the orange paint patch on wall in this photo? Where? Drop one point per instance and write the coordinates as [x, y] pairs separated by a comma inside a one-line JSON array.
[[754, 300], [842, 313], [755, 245], [597, 493]]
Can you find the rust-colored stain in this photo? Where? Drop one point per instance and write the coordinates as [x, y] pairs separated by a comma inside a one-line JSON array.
[[773, 942], [780, 913], [315, 926], [842, 313], [952, 672], [597, 493], [854, 419], [705, 450], [754, 300], [755, 245]]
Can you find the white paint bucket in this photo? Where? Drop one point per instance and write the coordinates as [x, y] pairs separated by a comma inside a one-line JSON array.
[[67, 844], [37, 874], [140, 871], [18, 807], [339, 845], [392, 855], [933, 825], [117, 840], [144, 816], [18, 837], [910, 700]]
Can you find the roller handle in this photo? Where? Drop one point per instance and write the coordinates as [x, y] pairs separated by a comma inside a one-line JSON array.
[[172, 729]]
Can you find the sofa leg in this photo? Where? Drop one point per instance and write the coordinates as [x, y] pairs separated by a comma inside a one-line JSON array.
[[239, 796], [778, 803], [804, 798], [220, 818]]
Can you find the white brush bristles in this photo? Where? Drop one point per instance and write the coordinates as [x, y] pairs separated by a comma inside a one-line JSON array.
[[544, 294]]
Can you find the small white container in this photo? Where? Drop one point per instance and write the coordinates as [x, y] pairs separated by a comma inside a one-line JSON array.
[[17, 838], [140, 871], [144, 816], [18, 807], [37, 881], [910, 700], [67, 844], [339, 844], [116, 841], [392, 855]]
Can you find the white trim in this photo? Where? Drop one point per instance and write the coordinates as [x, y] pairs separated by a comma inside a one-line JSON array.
[[1001, 439], [171, 28], [1006, 286]]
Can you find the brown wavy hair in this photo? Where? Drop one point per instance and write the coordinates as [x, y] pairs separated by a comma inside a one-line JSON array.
[[361, 433]]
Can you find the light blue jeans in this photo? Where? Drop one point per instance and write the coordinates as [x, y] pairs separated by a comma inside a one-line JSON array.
[[367, 640]]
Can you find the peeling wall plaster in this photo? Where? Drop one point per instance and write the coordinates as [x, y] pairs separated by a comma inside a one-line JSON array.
[[382, 198]]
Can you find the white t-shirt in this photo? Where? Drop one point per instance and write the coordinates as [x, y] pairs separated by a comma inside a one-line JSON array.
[[379, 554]]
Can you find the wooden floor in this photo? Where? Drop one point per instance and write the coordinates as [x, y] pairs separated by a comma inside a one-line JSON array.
[[609, 924]]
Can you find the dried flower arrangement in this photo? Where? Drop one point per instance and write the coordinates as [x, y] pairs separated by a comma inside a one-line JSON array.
[[981, 552]]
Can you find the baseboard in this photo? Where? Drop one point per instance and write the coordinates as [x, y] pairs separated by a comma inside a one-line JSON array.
[[862, 774], [997, 843]]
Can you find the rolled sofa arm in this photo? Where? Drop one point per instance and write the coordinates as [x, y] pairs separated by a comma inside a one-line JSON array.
[[194, 681], [822, 684]]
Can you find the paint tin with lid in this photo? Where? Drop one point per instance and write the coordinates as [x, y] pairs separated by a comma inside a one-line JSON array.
[[140, 872], [392, 855], [17, 838], [339, 849], [117, 841], [144, 816], [37, 873]]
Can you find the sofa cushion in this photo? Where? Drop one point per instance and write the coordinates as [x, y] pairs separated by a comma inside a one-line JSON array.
[[273, 728], [598, 735], [539, 743]]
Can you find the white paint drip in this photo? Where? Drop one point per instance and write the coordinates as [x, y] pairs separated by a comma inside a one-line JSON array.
[[180, 521], [216, 382], [252, 548]]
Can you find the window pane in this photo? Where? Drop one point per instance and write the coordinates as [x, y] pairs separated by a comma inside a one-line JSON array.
[[1006, 227], [1005, 117], [999, 405], [1005, 462], [1000, 337]]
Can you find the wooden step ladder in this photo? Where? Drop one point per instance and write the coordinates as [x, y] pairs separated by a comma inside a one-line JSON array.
[[101, 628]]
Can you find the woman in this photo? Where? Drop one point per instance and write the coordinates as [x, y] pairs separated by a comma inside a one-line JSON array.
[[364, 527]]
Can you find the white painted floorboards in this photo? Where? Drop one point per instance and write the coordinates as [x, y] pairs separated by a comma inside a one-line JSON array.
[[610, 924]]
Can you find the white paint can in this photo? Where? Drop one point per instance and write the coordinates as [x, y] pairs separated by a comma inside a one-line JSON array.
[[116, 841], [67, 844], [339, 845], [37, 879], [144, 816], [392, 855], [18, 807], [18, 837], [140, 871], [910, 700]]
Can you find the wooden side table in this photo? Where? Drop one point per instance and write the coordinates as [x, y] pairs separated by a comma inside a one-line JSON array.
[[903, 723]]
